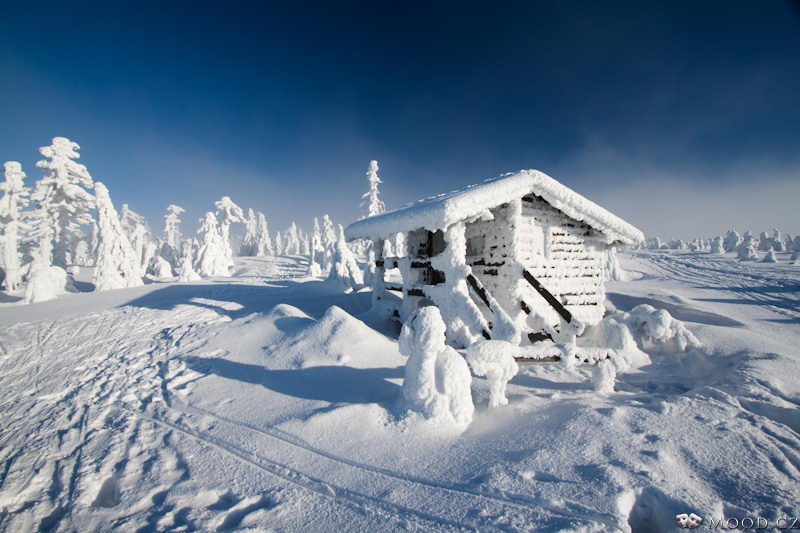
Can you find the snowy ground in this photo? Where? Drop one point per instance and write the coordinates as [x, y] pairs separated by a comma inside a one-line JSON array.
[[252, 403]]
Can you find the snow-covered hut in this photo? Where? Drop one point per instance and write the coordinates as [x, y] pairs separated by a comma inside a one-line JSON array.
[[519, 257]]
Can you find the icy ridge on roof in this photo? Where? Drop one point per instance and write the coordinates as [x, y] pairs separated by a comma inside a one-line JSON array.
[[439, 212]]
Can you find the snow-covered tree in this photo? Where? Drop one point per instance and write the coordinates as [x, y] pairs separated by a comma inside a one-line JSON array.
[[170, 249], [769, 257], [138, 232], [372, 204], [344, 267], [14, 199], [292, 241], [764, 242], [731, 241], [329, 239], [228, 213], [777, 241], [212, 259], [717, 246], [248, 247], [117, 264], [62, 203], [161, 268], [317, 250], [263, 244], [186, 271], [437, 379], [746, 251], [278, 243]]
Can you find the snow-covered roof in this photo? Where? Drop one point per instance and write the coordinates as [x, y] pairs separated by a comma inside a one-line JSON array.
[[439, 212]]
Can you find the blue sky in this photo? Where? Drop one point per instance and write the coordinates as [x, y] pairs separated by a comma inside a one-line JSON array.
[[681, 117]]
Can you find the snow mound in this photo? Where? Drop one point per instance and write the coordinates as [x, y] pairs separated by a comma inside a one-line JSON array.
[[46, 282], [337, 338]]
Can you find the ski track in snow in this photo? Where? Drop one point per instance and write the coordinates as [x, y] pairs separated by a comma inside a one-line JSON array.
[[112, 443]]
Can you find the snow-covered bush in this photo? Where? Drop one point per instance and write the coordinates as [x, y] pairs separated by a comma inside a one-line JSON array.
[[769, 257], [186, 270], [732, 241], [764, 242], [495, 360], [212, 258], [117, 264], [344, 267], [777, 241], [437, 379], [746, 251], [656, 328], [717, 246], [46, 282], [162, 268], [14, 199], [62, 204]]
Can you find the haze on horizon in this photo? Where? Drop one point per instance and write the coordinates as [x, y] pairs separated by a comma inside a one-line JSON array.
[[680, 117]]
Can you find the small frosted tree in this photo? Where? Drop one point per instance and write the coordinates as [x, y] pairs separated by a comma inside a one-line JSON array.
[[278, 243], [717, 246], [263, 242], [138, 232], [187, 272], [732, 241], [344, 267], [770, 257], [292, 241], [372, 204], [117, 264], [764, 242], [746, 251], [228, 213], [170, 249], [777, 241], [212, 260], [63, 205], [329, 239], [14, 199], [248, 247]]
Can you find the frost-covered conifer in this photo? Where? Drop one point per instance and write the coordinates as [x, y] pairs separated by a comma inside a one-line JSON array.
[[187, 272], [63, 205], [161, 267], [746, 251], [777, 241], [317, 250], [329, 239], [248, 247], [138, 233], [769, 257], [278, 243], [613, 271], [344, 267], [437, 379], [764, 242], [796, 256], [212, 258], [717, 246], [306, 245], [372, 204], [263, 242], [731, 241], [117, 264], [292, 241], [14, 199], [170, 249], [82, 253], [228, 213]]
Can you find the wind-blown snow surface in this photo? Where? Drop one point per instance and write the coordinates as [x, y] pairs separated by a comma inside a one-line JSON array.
[[262, 402]]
